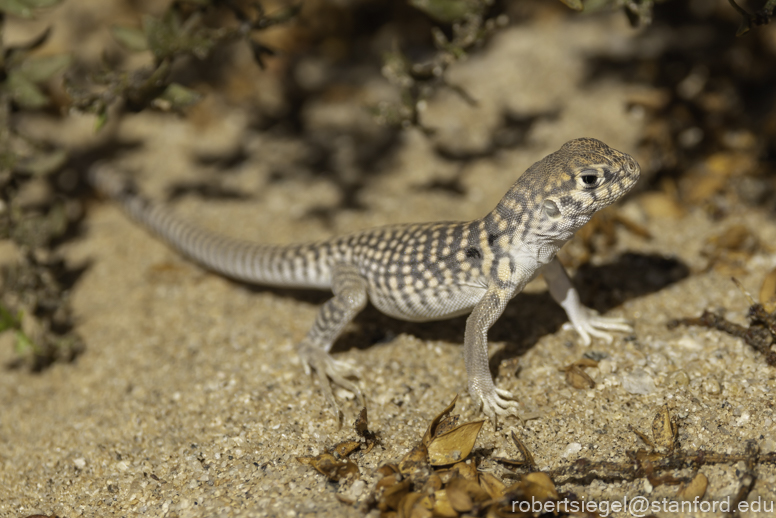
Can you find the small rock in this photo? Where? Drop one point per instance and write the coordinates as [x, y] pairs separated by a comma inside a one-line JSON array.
[[607, 367], [572, 449], [679, 379], [638, 382], [695, 489], [712, 387], [657, 362], [690, 344], [768, 445], [354, 491]]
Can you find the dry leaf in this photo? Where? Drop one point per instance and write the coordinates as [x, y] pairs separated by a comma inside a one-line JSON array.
[[492, 485], [387, 470], [730, 164], [704, 187], [463, 494], [574, 4], [442, 506], [695, 489], [361, 423], [432, 484], [408, 504], [730, 250], [533, 487], [393, 495], [649, 456], [432, 428], [387, 481], [664, 429], [714, 174], [446, 424], [427, 502], [539, 486], [454, 445], [643, 437], [459, 499], [344, 499], [362, 429], [414, 461], [467, 470], [586, 362], [578, 378], [660, 205], [528, 459], [736, 237], [345, 448], [651, 98], [768, 292], [329, 466]]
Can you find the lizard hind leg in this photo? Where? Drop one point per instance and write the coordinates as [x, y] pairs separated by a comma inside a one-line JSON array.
[[350, 297]]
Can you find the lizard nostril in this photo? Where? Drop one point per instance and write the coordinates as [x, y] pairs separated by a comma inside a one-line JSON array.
[[631, 166]]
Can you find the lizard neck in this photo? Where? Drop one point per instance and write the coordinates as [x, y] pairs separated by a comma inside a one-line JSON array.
[[520, 227]]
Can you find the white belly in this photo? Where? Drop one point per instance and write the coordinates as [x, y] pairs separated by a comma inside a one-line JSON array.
[[429, 304]]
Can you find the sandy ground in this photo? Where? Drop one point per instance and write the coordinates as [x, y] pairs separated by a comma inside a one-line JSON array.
[[190, 400]]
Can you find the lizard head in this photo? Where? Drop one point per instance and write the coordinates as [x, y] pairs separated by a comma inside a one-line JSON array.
[[582, 177], [562, 191]]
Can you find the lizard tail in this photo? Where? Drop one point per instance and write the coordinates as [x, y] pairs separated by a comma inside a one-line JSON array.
[[290, 266]]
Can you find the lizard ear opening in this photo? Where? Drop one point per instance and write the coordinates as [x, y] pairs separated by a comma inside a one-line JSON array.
[[551, 208]]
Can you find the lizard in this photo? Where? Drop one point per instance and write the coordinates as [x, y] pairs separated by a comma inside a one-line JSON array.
[[422, 271]]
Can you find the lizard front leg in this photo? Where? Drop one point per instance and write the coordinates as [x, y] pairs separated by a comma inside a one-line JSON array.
[[586, 321], [350, 297], [475, 352]]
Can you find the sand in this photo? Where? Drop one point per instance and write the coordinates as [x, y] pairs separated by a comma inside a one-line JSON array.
[[189, 399]]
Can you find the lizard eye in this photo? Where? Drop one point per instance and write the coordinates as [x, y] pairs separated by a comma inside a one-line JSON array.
[[589, 179]]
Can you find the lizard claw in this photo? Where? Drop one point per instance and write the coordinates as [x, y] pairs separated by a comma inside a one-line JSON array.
[[330, 371], [498, 402], [589, 323]]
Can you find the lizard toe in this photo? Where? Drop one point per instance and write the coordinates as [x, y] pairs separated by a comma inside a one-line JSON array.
[[494, 406], [330, 371]]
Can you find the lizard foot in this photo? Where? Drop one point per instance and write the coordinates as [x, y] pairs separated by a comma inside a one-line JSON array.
[[589, 323], [330, 371], [497, 402]]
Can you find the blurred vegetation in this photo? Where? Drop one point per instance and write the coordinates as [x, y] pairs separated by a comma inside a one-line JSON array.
[[34, 297], [693, 108], [760, 17], [181, 31]]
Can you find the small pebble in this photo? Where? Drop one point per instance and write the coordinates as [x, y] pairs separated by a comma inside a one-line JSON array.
[[679, 379], [572, 449], [712, 387], [638, 382], [607, 367], [689, 343]]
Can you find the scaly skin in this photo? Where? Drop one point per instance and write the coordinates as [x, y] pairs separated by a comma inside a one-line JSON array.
[[426, 271]]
